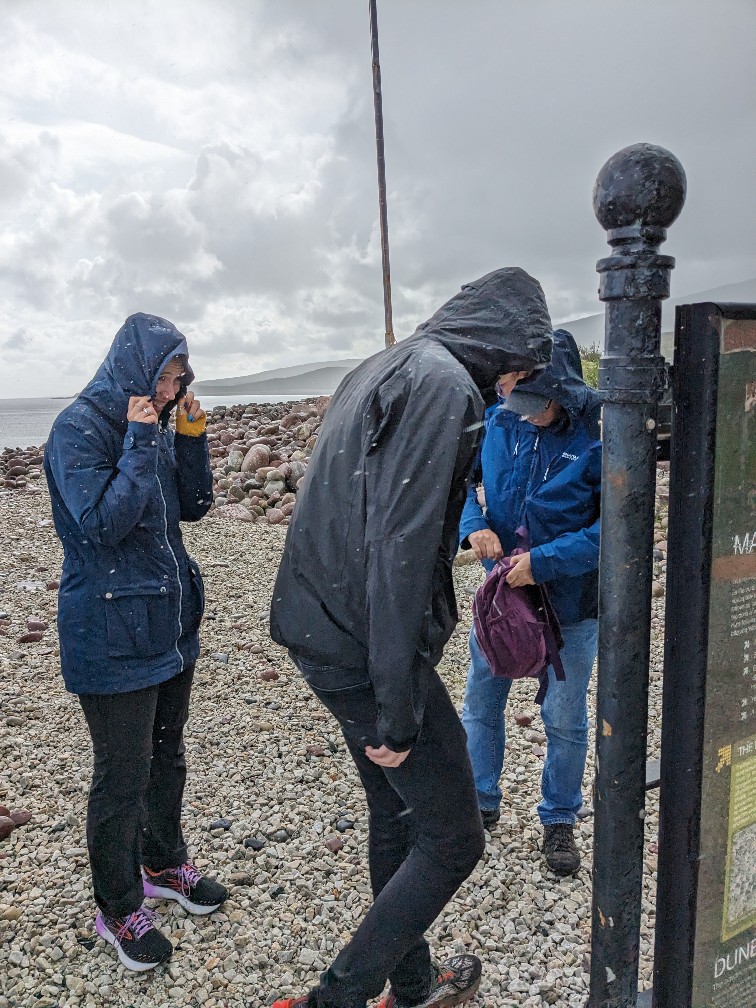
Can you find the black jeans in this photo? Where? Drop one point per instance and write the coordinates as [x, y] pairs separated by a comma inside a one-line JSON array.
[[425, 838], [134, 810]]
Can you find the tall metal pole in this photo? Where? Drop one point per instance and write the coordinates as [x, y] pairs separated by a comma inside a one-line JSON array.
[[638, 193], [383, 216]]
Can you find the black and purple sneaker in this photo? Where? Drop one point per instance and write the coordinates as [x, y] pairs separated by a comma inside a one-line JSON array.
[[195, 892], [139, 944]]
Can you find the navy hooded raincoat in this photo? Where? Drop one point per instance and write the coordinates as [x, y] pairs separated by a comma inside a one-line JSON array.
[[549, 480], [131, 599], [365, 582]]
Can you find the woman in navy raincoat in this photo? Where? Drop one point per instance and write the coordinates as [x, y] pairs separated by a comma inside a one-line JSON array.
[[129, 610]]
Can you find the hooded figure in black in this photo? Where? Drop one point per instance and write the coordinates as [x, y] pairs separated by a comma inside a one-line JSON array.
[[364, 601]]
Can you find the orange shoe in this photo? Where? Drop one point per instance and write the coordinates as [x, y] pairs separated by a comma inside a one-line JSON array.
[[291, 1002], [456, 981]]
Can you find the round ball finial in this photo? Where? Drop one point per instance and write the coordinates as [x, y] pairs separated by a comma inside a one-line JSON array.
[[642, 185]]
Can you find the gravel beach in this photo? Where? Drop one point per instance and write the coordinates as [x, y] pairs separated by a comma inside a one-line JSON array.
[[272, 807]]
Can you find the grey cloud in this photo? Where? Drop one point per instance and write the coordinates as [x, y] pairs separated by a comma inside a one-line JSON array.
[[219, 168], [21, 164], [19, 340]]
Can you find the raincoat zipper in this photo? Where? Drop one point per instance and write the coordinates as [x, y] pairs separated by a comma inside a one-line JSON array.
[[175, 561]]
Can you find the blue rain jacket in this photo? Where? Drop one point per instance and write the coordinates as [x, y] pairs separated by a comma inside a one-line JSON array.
[[548, 480], [131, 599]]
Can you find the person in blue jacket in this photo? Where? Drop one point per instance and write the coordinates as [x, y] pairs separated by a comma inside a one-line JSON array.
[[541, 467], [129, 610]]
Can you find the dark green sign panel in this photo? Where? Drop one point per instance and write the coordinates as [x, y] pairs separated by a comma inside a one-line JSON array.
[[706, 913], [725, 944]]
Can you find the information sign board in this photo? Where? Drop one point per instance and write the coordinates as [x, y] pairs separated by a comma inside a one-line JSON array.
[[706, 912]]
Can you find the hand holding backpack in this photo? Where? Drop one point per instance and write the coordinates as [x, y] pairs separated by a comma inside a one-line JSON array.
[[517, 628]]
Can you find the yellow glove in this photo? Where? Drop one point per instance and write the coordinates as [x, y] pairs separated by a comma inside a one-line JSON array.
[[191, 419]]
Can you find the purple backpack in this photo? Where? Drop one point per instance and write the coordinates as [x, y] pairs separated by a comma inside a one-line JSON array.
[[517, 628]]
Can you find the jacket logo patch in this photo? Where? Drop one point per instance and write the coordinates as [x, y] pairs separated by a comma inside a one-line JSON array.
[[572, 458]]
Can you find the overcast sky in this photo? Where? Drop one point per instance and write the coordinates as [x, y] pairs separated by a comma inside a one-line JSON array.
[[213, 161]]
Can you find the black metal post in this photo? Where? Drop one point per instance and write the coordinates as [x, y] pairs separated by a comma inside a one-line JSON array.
[[638, 193], [383, 214]]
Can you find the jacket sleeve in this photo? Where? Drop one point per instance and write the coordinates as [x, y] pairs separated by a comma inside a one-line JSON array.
[[416, 451], [105, 502], [194, 476], [568, 555], [473, 519]]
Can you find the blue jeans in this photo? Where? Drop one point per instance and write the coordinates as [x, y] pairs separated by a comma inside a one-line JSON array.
[[565, 718]]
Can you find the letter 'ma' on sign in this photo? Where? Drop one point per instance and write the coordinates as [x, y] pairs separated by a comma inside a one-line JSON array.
[[745, 545]]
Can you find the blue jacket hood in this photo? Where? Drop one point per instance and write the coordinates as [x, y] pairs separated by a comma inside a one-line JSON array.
[[142, 347], [562, 379]]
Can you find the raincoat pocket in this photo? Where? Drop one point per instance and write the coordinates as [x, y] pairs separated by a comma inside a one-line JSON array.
[[190, 621], [348, 695], [140, 626]]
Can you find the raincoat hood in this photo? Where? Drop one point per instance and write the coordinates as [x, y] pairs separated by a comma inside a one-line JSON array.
[[562, 379], [497, 324], [142, 347]]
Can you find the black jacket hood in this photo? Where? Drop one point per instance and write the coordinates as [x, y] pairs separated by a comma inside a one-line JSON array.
[[496, 324]]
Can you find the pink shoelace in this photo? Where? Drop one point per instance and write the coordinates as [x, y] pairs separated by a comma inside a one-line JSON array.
[[138, 923], [188, 876]]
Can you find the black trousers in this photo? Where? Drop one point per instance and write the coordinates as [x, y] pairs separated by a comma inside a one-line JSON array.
[[134, 810], [425, 838]]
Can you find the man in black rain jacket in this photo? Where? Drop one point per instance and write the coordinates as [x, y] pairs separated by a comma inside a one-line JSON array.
[[364, 601]]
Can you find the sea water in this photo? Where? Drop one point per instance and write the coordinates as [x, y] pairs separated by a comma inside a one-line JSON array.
[[26, 422]]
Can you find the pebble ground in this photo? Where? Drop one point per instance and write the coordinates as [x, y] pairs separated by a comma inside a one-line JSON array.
[[266, 766]]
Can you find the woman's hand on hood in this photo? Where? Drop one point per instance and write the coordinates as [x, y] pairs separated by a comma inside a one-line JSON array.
[[141, 410]]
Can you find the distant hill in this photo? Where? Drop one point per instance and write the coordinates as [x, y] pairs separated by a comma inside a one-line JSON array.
[[319, 378], [589, 330]]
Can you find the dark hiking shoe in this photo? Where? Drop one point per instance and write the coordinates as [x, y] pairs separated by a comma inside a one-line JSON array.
[[456, 981], [139, 944], [185, 885], [490, 817], [559, 847]]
